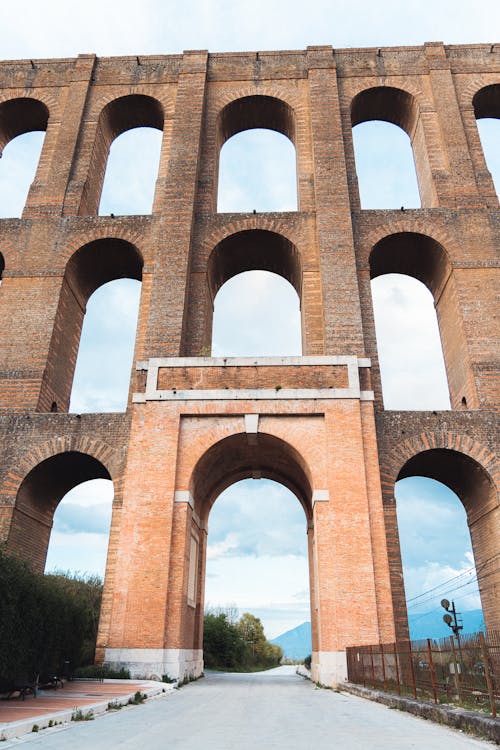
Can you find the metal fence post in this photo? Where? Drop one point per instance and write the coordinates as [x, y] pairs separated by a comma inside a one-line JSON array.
[[396, 663], [373, 667], [383, 666], [487, 673], [455, 668], [410, 654], [431, 667]]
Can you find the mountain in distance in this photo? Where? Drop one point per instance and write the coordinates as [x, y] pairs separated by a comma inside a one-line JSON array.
[[296, 643]]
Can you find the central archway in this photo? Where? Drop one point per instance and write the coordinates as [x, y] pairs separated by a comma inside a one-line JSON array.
[[239, 456]]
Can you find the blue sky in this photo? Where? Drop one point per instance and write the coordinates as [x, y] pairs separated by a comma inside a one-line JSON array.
[[261, 568]]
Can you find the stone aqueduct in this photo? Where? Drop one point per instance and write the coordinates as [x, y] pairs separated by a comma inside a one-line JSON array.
[[195, 424]]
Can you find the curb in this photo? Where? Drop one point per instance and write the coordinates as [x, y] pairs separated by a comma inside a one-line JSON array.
[[11, 730], [458, 718]]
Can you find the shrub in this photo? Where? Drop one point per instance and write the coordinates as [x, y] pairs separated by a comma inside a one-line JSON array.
[[46, 619], [98, 672]]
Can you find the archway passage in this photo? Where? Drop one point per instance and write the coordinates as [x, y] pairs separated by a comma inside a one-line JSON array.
[[245, 251], [38, 497], [23, 122], [486, 104], [102, 370], [385, 166], [475, 488], [22, 115], [89, 268], [257, 558], [80, 532], [401, 108], [234, 458], [426, 260], [257, 172], [409, 347], [437, 557], [256, 313], [117, 117]]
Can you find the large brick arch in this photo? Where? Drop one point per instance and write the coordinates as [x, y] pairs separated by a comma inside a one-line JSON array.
[[41, 480], [255, 111], [122, 113], [472, 471], [394, 460], [410, 222], [236, 457], [263, 222], [98, 449], [420, 256], [21, 115], [400, 107], [92, 265], [254, 250]]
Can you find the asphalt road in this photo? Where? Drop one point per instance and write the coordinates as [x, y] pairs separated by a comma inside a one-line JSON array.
[[267, 710]]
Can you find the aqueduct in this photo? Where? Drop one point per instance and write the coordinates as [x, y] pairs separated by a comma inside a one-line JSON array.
[[195, 424]]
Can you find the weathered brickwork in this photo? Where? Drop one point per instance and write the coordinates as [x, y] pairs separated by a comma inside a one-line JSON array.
[[194, 426]]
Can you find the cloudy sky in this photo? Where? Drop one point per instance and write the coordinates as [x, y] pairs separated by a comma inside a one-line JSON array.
[[257, 555]]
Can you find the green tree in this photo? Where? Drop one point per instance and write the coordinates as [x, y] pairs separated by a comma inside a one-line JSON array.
[[260, 651], [223, 646]]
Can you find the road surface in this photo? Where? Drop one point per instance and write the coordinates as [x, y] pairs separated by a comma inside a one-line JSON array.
[[262, 711]]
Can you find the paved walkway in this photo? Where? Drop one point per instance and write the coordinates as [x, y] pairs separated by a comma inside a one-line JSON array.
[[17, 717], [263, 711]]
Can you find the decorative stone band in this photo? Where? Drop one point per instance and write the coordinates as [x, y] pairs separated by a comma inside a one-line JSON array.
[[154, 365], [320, 496]]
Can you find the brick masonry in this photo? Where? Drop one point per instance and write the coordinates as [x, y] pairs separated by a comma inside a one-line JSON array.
[[170, 459]]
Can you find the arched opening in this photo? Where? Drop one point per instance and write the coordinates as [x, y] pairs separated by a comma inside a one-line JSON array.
[[385, 166], [255, 251], [224, 465], [409, 348], [117, 117], [437, 557], [131, 171], [424, 259], [486, 104], [38, 497], [106, 349], [257, 558], [80, 531], [396, 106], [23, 123], [257, 172], [469, 481], [90, 267], [2, 267], [256, 313], [257, 169]]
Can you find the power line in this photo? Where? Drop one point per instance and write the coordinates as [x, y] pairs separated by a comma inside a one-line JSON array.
[[424, 596]]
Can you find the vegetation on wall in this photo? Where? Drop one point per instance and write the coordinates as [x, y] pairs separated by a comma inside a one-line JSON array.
[[45, 620], [237, 645]]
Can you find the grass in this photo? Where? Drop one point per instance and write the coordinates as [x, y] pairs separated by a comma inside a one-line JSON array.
[[79, 715]]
